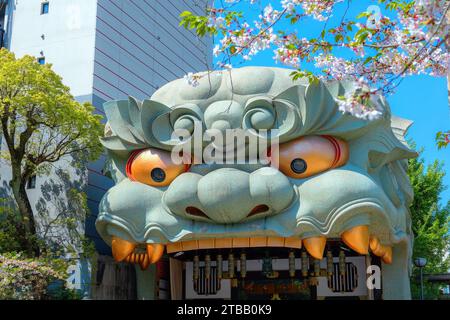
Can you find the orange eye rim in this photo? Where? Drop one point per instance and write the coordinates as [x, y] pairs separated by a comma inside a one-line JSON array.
[[321, 153], [163, 159]]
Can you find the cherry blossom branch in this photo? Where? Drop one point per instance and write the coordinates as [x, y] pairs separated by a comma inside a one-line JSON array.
[[408, 44]]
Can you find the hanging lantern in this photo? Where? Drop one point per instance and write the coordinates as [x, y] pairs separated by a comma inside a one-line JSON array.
[[243, 265], [231, 265], [330, 263], [267, 265], [342, 262], [305, 264], [291, 264], [316, 267], [207, 266], [219, 261], [196, 273]]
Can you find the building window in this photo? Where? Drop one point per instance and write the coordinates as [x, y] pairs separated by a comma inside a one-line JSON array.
[[41, 60], [44, 7], [31, 184]]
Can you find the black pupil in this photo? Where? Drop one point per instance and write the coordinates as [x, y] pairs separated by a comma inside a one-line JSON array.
[[298, 165], [158, 175]]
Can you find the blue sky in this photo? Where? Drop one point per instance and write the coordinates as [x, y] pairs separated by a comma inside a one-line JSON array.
[[422, 99]]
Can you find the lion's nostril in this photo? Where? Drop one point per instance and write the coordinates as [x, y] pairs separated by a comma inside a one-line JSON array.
[[258, 209], [193, 211]]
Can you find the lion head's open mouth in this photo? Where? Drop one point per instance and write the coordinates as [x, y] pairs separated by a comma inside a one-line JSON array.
[[357, 239]]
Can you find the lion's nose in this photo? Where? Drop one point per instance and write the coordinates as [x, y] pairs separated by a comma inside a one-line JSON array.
[[225, 194], [229, 195]]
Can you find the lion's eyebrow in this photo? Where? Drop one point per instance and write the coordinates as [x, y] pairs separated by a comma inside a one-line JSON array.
[[299, 110], [130, 124]]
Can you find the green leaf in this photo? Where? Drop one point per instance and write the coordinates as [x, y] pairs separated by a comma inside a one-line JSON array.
[[338, 37], [363, 14], [367, 60], [185, 14]]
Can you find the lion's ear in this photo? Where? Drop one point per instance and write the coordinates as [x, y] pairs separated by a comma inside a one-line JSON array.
[[390, 145], [400, 127], [121, 115], [130, 124]]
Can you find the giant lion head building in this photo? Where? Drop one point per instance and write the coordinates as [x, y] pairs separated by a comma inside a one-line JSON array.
[[326, 218]]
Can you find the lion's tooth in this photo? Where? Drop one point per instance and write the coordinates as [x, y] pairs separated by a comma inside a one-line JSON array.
[[121, 248], [387, 257], [373, 243], [315, 246], [157, 253], [145, 262], [357, 238], [150, 250], [377, 248], [382, 251]]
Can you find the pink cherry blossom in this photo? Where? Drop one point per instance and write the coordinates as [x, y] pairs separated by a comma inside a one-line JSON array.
[[412, 41]]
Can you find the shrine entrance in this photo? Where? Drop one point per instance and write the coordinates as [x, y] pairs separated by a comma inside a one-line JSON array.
[[269, 273]]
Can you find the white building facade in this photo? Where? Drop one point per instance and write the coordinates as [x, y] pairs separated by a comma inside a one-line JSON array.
[[104, 50]]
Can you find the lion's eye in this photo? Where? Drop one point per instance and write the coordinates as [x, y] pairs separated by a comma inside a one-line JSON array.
[[299, 165], [153, 167], [307, 156]]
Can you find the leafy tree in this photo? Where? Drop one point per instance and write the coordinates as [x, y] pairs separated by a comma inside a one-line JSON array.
[[28, 279], [430, 223], [41, 124], [9, 219]]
